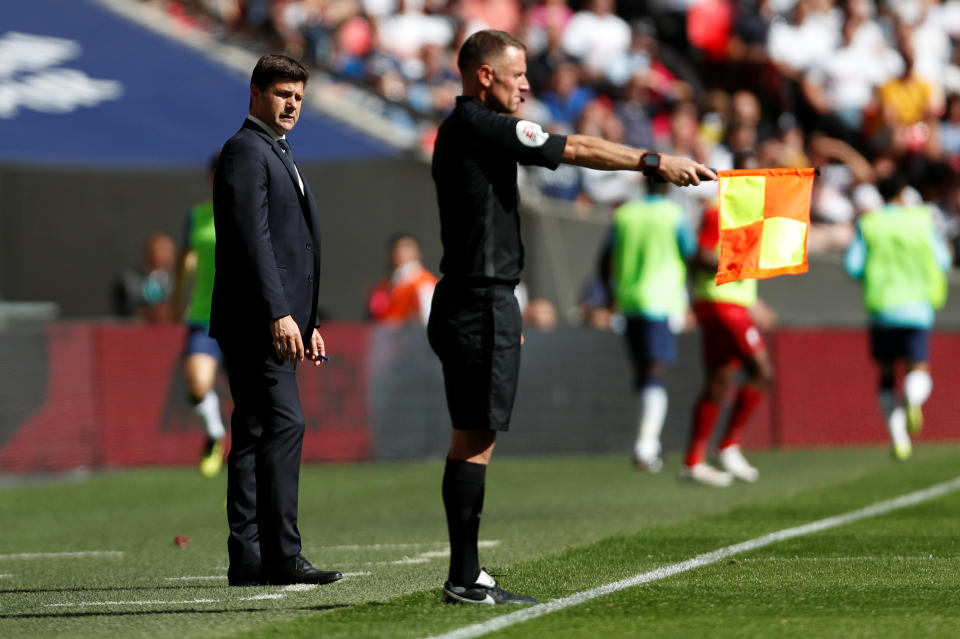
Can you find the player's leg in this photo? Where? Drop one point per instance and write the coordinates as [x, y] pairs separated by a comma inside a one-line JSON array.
[[652, 346], [705, 413], [200, 364], [917, 383], [747, 344], [759, 368], [720, 359], [886, 346], [652, 401]]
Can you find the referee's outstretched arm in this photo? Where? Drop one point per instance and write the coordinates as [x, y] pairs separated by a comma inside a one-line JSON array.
[[596, 153]]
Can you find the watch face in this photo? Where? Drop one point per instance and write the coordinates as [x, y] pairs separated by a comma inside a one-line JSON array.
[[650, 160]]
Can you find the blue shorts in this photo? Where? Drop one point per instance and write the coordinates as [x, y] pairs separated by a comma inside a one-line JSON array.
[[888, 344], [199, 341], [650, 341]]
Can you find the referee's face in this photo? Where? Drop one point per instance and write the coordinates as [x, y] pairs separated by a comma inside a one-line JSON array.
[[509, 81]]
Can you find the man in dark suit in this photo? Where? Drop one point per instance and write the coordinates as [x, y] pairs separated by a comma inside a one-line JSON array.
[[264, 316]]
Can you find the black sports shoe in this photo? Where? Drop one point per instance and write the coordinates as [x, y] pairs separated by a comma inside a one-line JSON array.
[[484, 591]]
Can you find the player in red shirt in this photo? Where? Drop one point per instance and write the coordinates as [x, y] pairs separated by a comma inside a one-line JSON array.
[[728, 316]]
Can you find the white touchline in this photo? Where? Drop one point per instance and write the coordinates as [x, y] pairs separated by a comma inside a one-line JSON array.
[[525, 614], [299, 587], [142, 602], [63, 555]]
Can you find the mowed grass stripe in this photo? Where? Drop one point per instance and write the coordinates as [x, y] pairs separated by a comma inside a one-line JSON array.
[[873, 510]]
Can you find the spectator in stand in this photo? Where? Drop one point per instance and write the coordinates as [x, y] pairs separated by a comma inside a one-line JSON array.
[[832, 207], [405, 294], [685, 139], [597, 36], [546, 52], [809, 38], [634, 110], [922, 22], [950, 131], [840, 88], [546, 22], [637, 60], [505, 15], [436, 86], [565, 96], [403, 34], [908, 106], [146, 291], [351, 42], [607, 188]]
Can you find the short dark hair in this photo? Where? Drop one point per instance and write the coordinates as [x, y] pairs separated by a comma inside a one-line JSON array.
[[890, 186], [484, 46], [271, 68]]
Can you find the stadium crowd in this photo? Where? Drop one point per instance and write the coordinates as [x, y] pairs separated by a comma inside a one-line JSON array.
[[857, 88]]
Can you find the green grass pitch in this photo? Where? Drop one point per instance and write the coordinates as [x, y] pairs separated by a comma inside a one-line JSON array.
[[552, 527]]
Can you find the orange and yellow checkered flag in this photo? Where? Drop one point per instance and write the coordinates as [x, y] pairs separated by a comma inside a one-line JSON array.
[[764, 219]]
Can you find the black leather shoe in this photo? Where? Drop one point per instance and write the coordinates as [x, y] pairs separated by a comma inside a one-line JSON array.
[[245, 576], [297, 570]]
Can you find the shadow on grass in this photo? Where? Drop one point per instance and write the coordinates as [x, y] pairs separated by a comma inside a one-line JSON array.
[[182, 611]]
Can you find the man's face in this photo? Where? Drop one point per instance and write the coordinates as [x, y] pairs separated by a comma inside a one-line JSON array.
[[278, 105], [508, 81]]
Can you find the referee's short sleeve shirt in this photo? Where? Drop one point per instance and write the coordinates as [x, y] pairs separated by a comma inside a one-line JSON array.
[[475, 171]]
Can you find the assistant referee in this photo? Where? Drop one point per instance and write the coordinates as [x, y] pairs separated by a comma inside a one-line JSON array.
[[475, 326]]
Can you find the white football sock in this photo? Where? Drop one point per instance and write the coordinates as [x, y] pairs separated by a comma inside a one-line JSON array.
[[895, 417], [917, 386], [652, 407], [209, 410]]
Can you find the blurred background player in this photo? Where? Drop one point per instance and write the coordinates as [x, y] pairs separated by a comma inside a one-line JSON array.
[[405, 294], [645, 270], [728, 316], [201, 353], [901, 261]]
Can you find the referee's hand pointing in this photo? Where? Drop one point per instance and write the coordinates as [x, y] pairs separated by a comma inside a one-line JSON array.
[[287, 342], [683, 171]]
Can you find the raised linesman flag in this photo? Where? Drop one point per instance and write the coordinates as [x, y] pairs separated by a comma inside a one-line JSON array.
[[764, 220]]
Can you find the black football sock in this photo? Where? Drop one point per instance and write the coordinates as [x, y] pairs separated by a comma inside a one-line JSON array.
[[463, 484]]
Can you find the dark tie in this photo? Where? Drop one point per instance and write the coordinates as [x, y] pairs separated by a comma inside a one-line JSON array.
[[288, 158]]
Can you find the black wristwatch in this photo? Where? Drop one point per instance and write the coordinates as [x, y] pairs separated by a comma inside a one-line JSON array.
[[650, 164]]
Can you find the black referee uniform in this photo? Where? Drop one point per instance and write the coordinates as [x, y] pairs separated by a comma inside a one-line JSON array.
[[475, 325]]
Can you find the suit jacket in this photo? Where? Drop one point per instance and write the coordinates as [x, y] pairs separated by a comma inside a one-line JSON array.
[[268, 242]]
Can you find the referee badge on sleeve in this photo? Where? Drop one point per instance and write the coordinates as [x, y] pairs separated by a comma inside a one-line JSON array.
[[531, 134]]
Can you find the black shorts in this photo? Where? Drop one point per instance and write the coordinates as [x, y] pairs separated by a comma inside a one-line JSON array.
[[888, 344], [476, 334]]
